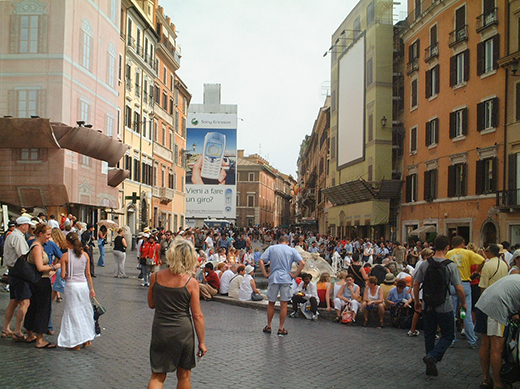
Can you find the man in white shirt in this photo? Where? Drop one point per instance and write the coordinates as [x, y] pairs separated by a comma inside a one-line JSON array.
[[306, 291], [53, 223], [20, 292], [226, 279], [234, 284]]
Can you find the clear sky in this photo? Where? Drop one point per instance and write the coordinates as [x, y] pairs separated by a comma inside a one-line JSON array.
[[268, 57]]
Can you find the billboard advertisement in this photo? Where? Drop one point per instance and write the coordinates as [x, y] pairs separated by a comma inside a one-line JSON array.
[[211, 159]]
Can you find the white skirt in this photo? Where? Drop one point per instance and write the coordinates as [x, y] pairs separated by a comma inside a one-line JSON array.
[[77, 324]]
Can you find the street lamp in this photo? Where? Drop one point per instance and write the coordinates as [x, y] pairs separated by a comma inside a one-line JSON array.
[[514, 66], [384, 121]]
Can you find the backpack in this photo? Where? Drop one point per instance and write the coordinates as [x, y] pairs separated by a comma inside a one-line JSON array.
[[436, 283]]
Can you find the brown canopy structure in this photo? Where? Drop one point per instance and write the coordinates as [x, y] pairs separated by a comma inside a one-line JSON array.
[[38, 133], [117, 176]]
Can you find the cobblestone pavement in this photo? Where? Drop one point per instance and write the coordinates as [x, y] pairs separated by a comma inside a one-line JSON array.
[[318, 354]]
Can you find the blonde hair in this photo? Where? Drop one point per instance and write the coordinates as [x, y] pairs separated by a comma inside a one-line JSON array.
[[182, 257], [41, 228], [342, 275], [472, 246], [59, 238], [325, 277]]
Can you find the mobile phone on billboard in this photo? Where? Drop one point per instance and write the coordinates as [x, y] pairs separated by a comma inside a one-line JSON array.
[[213, 154]]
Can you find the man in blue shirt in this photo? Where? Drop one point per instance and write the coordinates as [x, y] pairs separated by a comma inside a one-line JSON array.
[[281, 258]]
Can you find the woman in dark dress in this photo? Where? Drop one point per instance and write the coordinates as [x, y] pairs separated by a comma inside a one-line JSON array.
[[174, 293]]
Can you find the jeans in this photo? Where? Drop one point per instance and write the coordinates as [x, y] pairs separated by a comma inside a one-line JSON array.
[[432, 319], [146, 273], [468, 321], [297, 300], [101, 246]]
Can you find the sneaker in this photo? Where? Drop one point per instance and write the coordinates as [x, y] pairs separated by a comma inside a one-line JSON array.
[[414, 333], [437, 336], [143, 284], [431, 365], [294, 314], [473, 346], [315, 317], [463, 333], [452, 345]]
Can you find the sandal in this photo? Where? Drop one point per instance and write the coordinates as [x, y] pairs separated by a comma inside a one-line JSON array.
[[267, 330], [365, 323], [487, 384], [88, 343], [7, 334], [30, 340], [59, 300], [75, 348], [18, 338], [48, 345], [282, 332]]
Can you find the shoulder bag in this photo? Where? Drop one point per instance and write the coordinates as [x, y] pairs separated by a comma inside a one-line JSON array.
[[26, 271]]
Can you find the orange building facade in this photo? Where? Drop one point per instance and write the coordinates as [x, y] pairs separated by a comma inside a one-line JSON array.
[[454, 118]]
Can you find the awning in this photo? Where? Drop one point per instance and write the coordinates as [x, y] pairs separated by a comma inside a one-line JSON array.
[[38, 133], [117, 176], [89, 142], [423, 229], [360, 191], [17, 133]]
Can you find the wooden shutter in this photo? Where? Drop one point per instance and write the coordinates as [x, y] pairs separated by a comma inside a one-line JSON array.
[[452, 125], [460, 18], [494, 182], [466, 65], [464, 186], [408, 189], [433, 35], [451, 180], [427, 196], [494, 113], [453, 70], [480, 58], [481, 165], [511, 182], [438, 80], [517, 101], [428, 134], [480, 115], [437, 130], [428, 84], [465, 121], [489, 5], [496, 50]]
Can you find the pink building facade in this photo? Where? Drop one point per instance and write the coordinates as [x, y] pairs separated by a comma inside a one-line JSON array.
[[59, 60]]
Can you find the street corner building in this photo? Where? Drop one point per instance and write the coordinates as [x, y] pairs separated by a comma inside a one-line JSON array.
[[59, 144]]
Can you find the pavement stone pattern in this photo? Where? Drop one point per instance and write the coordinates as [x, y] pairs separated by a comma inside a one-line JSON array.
[[318, 354]]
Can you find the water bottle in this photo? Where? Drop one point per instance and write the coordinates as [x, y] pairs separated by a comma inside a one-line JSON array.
[[462, 313]]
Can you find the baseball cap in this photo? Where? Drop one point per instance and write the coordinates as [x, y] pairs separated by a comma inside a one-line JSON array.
[[24, 220]]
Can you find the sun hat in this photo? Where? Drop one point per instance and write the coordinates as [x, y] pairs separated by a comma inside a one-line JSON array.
[[249, 269], [389, 278], [25, 220]]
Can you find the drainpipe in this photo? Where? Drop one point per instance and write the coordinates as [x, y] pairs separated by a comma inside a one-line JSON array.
[[506, 102]]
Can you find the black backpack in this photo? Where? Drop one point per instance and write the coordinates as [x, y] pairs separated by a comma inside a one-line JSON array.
[[436, 283]]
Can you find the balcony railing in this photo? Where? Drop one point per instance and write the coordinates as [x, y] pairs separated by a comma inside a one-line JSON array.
[[431, 52], [412, 66], [165, 194], [508, 199], [130, 41], [459, 35], [171, 49], [139, 50], [487, 19]]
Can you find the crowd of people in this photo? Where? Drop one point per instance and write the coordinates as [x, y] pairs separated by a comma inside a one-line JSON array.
[[366, 278]]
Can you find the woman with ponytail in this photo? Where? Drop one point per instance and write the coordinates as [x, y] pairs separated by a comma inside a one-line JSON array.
[[77, 324]]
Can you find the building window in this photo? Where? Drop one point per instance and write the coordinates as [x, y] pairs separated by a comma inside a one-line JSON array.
[[432, 81], [128, 164], [27, 103], [411, 188], [250, 200], [418, 8], [517, 90], [86, 44], [251, 177], [110, 126], [85, 160], [370, 12], [413, 56], [413, 140], [137, 122], [111, 71], [370, 127], [113, 11], [432, 132], [84, 108], [357, 27], [457, 180], [487, 114], [30, 154], [29, 27], [370, 72], [459, 68], [165, 101], [486, 177], [163, 136], [430, 185], [487, 55], [413, 92], [459, 123], [175, 181], [176, 154], [128, 116]]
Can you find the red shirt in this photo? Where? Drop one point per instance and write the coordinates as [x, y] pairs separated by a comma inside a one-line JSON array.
[[213, 280]]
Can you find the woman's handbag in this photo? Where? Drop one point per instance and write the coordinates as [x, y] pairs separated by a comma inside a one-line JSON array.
[[150, 261], [25, 270], [100, 310]]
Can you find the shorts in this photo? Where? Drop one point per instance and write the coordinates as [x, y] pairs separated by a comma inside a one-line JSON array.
[[487, 325], [59, 283], [283, 289], [19, 289]]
